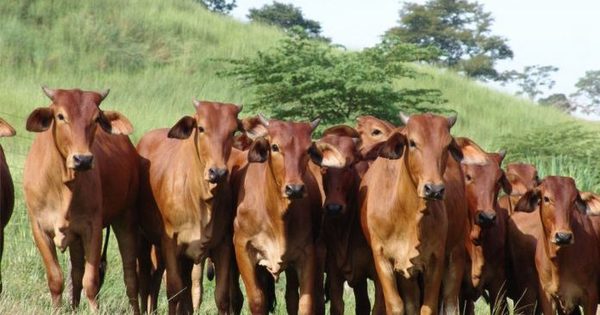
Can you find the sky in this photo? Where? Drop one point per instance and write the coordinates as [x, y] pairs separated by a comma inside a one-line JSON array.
[[565, 34]]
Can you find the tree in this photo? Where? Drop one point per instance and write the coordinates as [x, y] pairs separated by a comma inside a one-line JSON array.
[[285, 16], [301, 78], [532, 80], [557, 100], [219, 6], [461, 30], [588, 92]]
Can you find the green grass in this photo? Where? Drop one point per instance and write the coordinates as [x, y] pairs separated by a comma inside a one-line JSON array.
[[156, 56]]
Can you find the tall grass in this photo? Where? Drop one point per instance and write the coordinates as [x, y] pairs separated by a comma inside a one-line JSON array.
[[156, 56]]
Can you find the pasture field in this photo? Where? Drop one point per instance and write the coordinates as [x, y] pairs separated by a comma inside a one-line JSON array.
[[158, 55]]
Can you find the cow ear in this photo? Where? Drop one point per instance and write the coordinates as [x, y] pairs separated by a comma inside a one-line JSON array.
[[327, 155], [241, 142], [588, 203], [393, 147], [183, 129], [506, 186], [456, 151], [258, 151], [6, 130], [529, 201], [114, 122], [40, 119]]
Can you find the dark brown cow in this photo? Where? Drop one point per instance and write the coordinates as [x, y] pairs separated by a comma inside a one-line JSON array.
[[349, 257], [521, 177], [566, 256], [487, 233], [186, 200], [77, 179], [406, 222], [7, 190], [278, 207]]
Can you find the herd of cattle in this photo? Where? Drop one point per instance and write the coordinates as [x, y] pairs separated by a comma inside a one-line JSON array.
[[412, 208]]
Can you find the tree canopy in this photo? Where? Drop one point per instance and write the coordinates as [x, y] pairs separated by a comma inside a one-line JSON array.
[[588, 92], [219, 6], [285, 16]]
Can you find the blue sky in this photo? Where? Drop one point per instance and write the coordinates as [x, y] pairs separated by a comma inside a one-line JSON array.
[[562, 33]]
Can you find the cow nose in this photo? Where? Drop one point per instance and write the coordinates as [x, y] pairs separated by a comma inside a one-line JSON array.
[[333, 208], [215, 175], [434, 191], [294, 191], [563, 238], [486, 218], [82, 162]]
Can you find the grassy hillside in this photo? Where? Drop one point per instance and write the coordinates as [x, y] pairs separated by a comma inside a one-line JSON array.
[[156, 56]]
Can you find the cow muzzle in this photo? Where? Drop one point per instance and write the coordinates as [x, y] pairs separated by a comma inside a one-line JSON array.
[[216, 175], [485, 219], [294, 191], [82, 162], [333, 209], [563, 238], [434, 191]]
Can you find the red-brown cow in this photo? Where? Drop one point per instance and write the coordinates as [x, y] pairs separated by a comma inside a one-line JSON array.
[[186, 200], [406, 222], [487, 232], [521, 178], [372, 131], [277, 212], [566, 255], [7, 190], [349, 257], [77, 179]]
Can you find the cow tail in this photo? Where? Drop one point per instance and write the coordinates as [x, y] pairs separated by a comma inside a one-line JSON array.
[[210, 270], [103, 260]]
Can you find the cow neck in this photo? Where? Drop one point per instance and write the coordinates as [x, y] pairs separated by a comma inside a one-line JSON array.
[[410, 200], [273, 190], [341, 228], [207, 189], [55, 158]]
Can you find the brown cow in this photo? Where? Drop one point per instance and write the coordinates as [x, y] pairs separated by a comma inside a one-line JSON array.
[[521, 177], [372, 131], [7, 190], [566, 256], [487, 233], [277, 211], [77, 179], [348, 254], [186, 200], [406, 222]]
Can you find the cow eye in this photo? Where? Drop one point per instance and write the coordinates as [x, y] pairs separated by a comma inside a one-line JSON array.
[[200, 129], [546, 199], [468, 177], [60, 117], [412, 144], [376, 132], [275, 148]]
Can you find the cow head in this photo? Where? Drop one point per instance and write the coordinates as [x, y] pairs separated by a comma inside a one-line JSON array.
[[6, 130], [372, 131], [337, 152], [425, 142], [557, 198], [73, 118], [521, 177], [284, 145], [212, 128]]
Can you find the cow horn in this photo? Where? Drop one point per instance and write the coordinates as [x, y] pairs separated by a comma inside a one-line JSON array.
[[263, 120], [405, 118], [452, 120], [104, 94], [49, 92], [240, 107], [196, 102], [315, 123]]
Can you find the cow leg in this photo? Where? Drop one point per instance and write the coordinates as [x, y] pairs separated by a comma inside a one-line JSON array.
[[336, 289], [197, 286], [590, 305], [53, 272], [185, 301], [247, 267], [319, 291], [497, 291], [379, 304], [222, 261], [432, 279], [361, 297], [77, 264], [235, 293], [546, 303], [127, 239], [306, 275], [174, 282], [453, 276], [145, 274], [411, 292], [385, 273], [1, 252], [156, 276], [292, 298], [92, 245]]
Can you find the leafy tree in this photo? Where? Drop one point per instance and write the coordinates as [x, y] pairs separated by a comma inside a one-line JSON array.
[[285, 16], [588, 92], [558, 100], [219, 6], [460, 29], [532, 80], [301, 79]]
